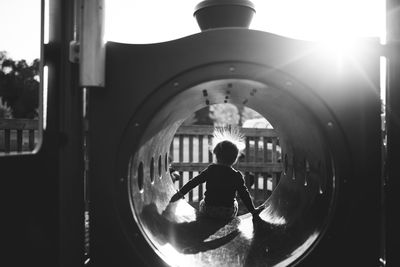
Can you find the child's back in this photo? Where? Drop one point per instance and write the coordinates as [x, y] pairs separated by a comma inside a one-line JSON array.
[[222, 184]]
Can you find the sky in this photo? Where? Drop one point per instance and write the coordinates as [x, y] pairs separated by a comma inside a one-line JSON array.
[[20, 31], [151, 21]]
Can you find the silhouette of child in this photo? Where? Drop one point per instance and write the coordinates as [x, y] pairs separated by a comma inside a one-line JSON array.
[[222, 184]]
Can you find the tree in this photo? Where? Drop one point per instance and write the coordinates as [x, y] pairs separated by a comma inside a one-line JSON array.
[[19, 86], [222, 115]]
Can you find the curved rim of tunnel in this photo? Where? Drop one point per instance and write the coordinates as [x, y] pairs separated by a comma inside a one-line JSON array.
[[145, 123]]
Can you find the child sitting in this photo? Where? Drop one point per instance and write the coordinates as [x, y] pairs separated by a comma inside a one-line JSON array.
[[222, 184]]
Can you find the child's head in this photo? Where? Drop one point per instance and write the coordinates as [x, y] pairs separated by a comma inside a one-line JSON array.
[[226, 152]]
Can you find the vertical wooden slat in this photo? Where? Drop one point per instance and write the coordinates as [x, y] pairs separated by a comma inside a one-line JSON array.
[[274, 180], [191, 191], [265, 145], [19, 140], [31, 139], [256, 152], [180, 148], [191, 148], [200, 148], [7, 140], [274, 156], [253, 151], [210, 154], [265, 182], [180, 179], [171, 150]]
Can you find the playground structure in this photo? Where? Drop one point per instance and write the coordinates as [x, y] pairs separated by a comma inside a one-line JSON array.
[[314, 109], [330, 194]]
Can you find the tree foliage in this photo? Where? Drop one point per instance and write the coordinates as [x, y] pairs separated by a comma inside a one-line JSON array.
[[222, 115], [19, 86]]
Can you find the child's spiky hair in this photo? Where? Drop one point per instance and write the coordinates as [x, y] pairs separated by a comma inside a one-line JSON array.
[[227, 144], [231, 134]]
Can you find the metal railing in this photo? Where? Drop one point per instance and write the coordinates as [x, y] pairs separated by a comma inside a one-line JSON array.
[[18, 135]]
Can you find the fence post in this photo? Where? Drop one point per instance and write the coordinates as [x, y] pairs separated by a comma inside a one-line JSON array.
[[19, 140], [31, 139], [171, 150], [180, 148], [274, 156], [190, 160], [191, 191], [274, 180], [265, 145], [7, 140], [265, 182], [210, 154], [200, 160]]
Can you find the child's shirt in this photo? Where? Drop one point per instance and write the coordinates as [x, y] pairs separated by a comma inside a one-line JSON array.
[[222, 183]]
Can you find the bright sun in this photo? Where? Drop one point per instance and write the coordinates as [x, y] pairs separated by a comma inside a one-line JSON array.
[[322, 20]]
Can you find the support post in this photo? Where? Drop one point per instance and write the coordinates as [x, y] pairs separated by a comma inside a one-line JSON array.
[[92, 44]]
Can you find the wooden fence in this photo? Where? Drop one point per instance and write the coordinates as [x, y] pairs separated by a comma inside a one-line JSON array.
[[260, 164], [18, 135]]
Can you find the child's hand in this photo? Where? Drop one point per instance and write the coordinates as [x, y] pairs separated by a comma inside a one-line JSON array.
[[257, 211], [176, 197], [175, 176]]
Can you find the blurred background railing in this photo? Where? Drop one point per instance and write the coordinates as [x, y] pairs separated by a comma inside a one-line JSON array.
[[18, 135], [260, 161]]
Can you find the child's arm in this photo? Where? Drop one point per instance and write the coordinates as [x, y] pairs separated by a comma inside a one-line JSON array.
[[245, 196], [201, 178]]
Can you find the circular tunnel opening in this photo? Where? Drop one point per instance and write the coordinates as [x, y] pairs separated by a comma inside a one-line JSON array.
[[296, 213]]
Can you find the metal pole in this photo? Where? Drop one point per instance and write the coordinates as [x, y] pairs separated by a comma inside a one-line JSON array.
[[92, 44]]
